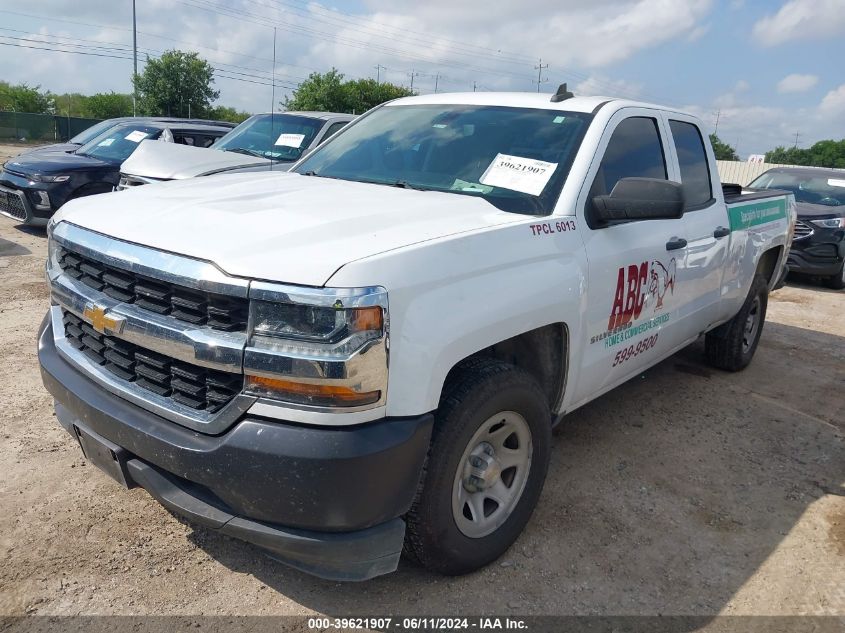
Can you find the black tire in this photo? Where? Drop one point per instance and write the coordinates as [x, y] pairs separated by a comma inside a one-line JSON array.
[[475, 393], [837, 282], [730, 346]]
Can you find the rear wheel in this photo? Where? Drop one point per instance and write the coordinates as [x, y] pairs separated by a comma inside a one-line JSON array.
[[731, 346], [485, 469]]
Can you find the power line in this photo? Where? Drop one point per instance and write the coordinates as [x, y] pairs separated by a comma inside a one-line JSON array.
[[222, 72]]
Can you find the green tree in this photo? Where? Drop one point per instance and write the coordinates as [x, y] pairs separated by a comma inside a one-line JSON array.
[[71, 104], [176, 84], [25, 98], [329, 92], [363, 94], [225, 113], [828, 153], [108, 105], [722, 150]]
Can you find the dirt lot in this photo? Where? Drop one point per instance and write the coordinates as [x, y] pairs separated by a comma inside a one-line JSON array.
[[686, 491]]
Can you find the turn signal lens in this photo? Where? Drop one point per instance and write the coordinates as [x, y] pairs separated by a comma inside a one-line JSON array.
[[309, 394], [364, 319]]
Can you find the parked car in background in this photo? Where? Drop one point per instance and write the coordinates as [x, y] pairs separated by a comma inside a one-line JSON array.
[[95, 130], [264, 142], [34, 186], [818, 247]]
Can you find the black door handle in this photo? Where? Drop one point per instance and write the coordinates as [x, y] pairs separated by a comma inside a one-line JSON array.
[[721, 232], [675, 243]]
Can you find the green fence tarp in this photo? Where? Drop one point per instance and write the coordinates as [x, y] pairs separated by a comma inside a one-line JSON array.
[[24, 126]]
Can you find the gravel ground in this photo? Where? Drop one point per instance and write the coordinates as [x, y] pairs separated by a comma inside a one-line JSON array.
[[686, 491]]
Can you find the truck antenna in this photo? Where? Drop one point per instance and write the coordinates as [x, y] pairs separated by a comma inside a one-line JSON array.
[[562, 94]]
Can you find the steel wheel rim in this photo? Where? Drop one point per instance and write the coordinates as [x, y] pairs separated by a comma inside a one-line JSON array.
[[752, 324], [492, 474]]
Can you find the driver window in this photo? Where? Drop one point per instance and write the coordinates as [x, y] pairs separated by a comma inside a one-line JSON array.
[[634, 150]]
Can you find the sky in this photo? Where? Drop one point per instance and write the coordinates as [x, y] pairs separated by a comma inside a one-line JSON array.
[[761, 73]]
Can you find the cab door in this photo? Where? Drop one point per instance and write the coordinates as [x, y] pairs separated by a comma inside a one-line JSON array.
[[635, 268], [707, 227]]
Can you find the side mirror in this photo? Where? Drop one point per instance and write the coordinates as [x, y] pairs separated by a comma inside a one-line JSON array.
[[640, 199]]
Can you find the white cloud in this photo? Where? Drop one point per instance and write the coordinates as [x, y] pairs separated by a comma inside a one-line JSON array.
[[801, 19], [832, 106], [797, 83], [741, 86], [599, 85]]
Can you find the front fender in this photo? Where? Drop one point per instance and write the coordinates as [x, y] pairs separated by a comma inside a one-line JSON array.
[[452, 297]]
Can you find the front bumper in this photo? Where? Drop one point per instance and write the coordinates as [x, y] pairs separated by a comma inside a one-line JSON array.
[[817, 258], [324, 500], [15, 204], [16, 199]]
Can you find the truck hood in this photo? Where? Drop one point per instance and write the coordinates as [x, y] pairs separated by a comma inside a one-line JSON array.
[[172, 161], [280, 226]]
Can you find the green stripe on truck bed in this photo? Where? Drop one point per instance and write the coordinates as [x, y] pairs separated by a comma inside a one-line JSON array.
[[745, 216]]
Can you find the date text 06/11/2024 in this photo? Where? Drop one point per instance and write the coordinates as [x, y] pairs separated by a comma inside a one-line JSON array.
[[482, 623]]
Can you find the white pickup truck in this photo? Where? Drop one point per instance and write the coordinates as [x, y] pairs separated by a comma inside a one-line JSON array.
[[368, 354]]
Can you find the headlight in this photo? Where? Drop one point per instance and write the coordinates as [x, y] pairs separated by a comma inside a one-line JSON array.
[[317, 324], [48, 178], [322, 348], [830, 223]]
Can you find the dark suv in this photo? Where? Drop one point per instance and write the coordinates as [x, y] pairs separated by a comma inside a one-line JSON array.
[[33, 186], [818, 247]]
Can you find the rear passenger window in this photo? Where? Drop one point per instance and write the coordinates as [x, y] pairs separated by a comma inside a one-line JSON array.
[[695, 174], [333, 129], [634, 150]]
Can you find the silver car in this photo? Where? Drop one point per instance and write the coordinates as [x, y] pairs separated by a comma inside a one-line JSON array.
[[263, 142]]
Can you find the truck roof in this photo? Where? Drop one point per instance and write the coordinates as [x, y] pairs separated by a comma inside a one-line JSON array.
[[524, 100]]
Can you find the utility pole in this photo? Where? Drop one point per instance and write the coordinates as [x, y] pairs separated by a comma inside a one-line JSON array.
[[436, 80], [412, 74], [539, 68], [379, 68], [797, 135], [273, 81], [134, 60], [716, 128]]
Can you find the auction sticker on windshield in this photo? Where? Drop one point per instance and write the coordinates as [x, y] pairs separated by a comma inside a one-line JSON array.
[[136, 137], [290, 140], [525, 175]]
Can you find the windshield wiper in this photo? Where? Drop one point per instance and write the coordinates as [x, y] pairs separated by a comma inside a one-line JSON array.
[[248, 152], [404, 184]]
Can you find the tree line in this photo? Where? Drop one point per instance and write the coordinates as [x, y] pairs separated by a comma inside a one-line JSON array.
[[181, 84]]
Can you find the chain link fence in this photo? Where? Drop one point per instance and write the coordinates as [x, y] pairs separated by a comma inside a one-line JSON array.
[[49, 128]]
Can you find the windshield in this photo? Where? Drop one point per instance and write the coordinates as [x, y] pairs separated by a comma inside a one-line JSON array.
[[119, 142], [515, 158], [824, 188], [282, 137], [92, 132]]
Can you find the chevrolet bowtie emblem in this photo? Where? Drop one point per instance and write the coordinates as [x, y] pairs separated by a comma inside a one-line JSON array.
[[96, 315]]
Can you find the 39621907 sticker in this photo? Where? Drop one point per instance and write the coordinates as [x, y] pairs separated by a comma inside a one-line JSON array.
[[526, 175]]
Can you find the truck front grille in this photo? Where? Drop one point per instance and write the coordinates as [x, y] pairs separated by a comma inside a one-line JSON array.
[[220, 312], [12, 204], [190, 385]]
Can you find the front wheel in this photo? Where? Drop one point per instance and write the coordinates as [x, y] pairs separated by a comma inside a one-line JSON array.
[[485, 470], [837, 282], [731, 346]]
